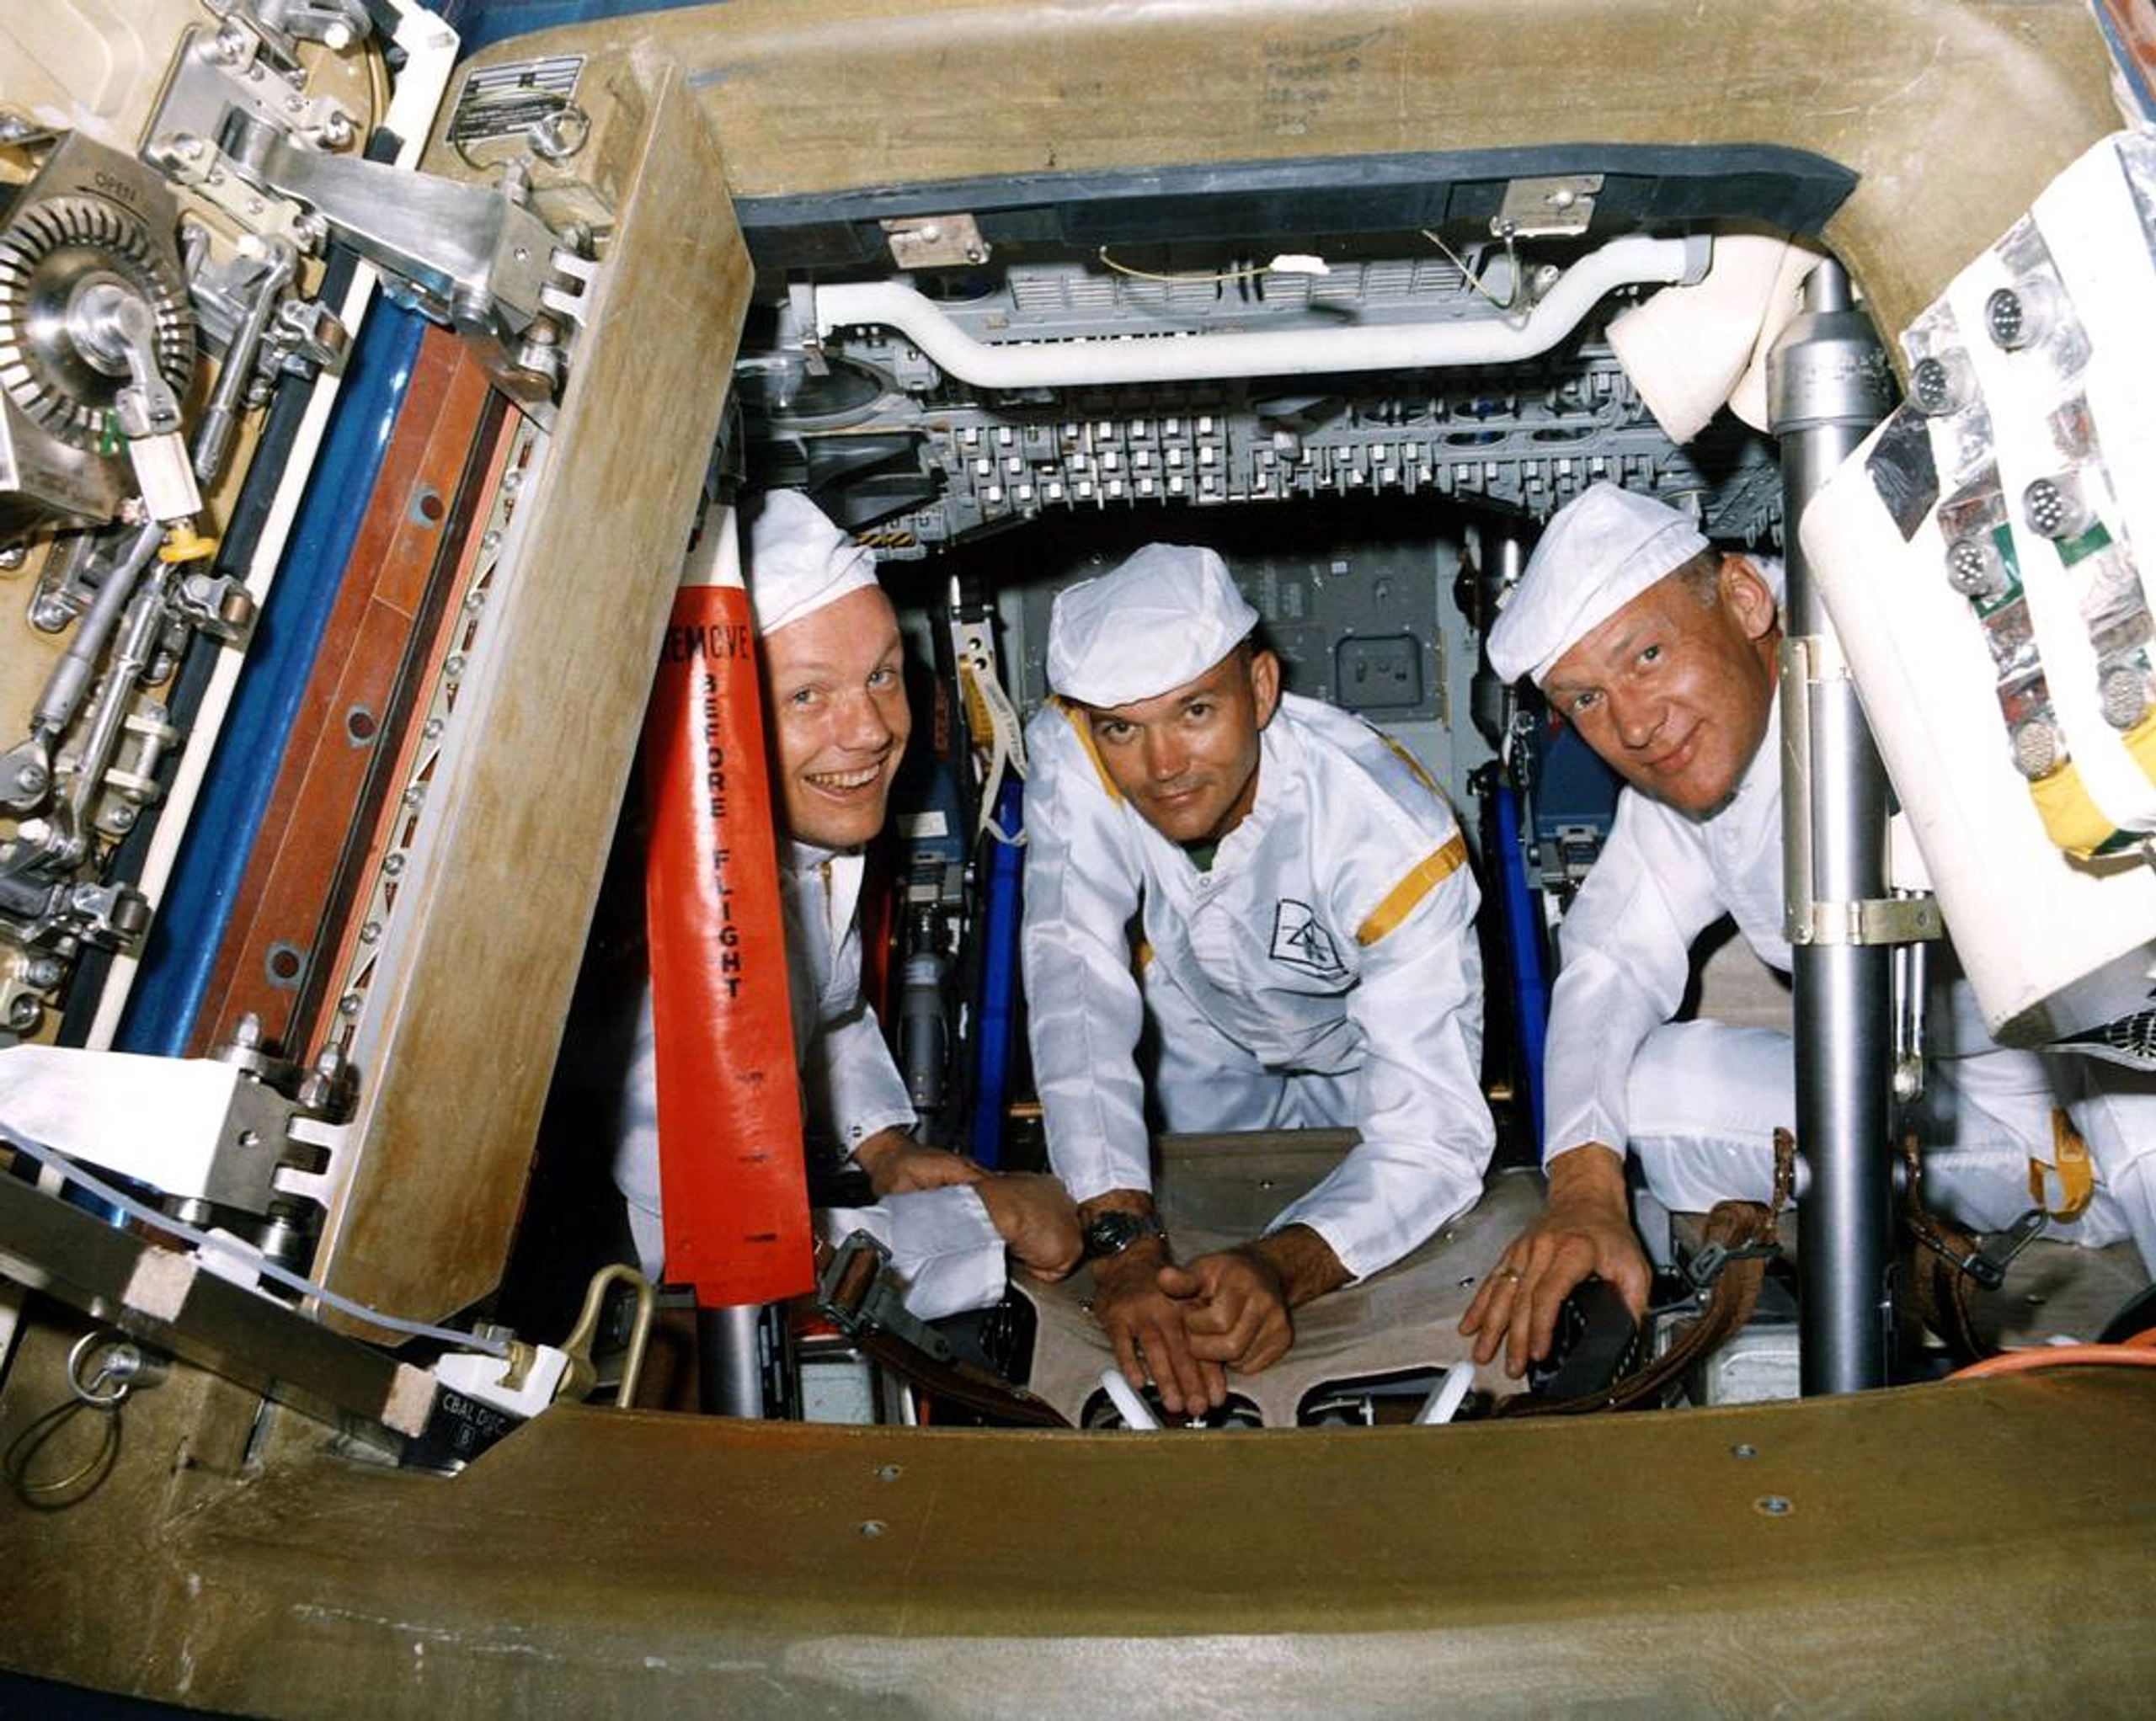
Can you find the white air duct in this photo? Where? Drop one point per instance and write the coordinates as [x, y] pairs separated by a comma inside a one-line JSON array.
[[1304, 352]]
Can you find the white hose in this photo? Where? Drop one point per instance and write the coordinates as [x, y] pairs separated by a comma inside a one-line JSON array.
[[1135, 1411], [1442, 1405], [1630, 261]]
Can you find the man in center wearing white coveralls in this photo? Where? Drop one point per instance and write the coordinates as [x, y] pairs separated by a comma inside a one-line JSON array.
[[1308, 915], [1661, 651]]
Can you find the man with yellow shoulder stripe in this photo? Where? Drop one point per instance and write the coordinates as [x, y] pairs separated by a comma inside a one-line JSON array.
[[1310, 960]]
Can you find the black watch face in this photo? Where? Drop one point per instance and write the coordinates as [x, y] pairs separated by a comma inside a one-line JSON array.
[[1112, 1233]]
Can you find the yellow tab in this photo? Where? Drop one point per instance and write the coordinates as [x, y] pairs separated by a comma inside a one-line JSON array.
[[2071, 819], [1085, 732], [183, 543], [1400, 900], [2077, 1177]]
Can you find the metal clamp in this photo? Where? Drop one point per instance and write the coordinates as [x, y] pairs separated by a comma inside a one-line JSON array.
[[1888, 920], [1987, 1265], [1708, 1261], [855, 1294]]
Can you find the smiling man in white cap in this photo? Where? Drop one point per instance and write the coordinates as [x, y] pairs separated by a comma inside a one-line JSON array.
[[835, 697], [1661, 651], [1310, 960]]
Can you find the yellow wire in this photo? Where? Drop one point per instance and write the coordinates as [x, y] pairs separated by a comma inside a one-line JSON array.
[[1147, 274], [1473, 280]]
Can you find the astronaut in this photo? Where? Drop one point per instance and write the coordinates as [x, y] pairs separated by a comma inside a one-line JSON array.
[[1662, 653], [835, 694], [1309, 960]]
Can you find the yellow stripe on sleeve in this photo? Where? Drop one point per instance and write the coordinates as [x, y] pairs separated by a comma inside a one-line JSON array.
[[1407, 759], [1400, 900]]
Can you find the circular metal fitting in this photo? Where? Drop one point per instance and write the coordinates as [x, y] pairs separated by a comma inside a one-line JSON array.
[[2018, 316], [557, 136], [56, 251], [2055, 507], [1974, 568], [119, 1361], [2124, 691], [2038, 749]]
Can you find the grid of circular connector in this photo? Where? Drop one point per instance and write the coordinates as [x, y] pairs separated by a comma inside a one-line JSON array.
[[1936, 385], [2038, 750], [2055, 507], [2124, 691], [2007, 321], [1973, 568]]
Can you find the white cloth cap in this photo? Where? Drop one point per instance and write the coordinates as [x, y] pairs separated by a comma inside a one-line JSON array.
[[1598, 552], [798, 561], [1162, 619]]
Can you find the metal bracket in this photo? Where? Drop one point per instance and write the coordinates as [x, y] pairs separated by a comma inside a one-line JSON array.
[[1559, 206], [223, 1133], [936, 241], [1889, 920], [1808, 661], [474, 258], [236, 69]]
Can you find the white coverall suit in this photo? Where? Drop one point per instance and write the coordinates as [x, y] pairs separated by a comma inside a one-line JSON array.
[[941, 1241], [1323, 971], [1699, 1101]]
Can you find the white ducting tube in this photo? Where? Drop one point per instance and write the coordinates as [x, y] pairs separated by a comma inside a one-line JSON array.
[[1632, 261], [1443, 1404], [1135, 1412]]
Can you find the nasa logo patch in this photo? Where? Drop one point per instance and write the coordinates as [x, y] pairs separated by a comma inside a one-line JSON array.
[[1300, 941]]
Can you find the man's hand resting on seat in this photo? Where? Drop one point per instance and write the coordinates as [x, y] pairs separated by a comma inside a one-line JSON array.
[[1586, 1228], [1036, 1218]]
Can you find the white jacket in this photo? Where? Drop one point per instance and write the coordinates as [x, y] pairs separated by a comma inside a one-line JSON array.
[[1661, 880], [1334, 934], [941, 1241]]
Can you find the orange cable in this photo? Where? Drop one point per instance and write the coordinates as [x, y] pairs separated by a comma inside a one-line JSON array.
[[2137, 1352]]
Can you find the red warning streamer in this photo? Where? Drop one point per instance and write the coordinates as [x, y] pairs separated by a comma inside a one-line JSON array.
[[732, 1180]]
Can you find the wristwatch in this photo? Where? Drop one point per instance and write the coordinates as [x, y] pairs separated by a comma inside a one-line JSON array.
[[1113, 1232]]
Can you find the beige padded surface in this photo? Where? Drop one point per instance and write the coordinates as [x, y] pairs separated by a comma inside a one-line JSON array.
[[1216, 1190]]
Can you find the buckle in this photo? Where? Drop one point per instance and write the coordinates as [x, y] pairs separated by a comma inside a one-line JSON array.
[[1988, 1264], [1708, 1261], [854, 1294]]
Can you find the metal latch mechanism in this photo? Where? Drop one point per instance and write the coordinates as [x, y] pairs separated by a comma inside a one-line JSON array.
[[476, 258], [856, 1296]]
